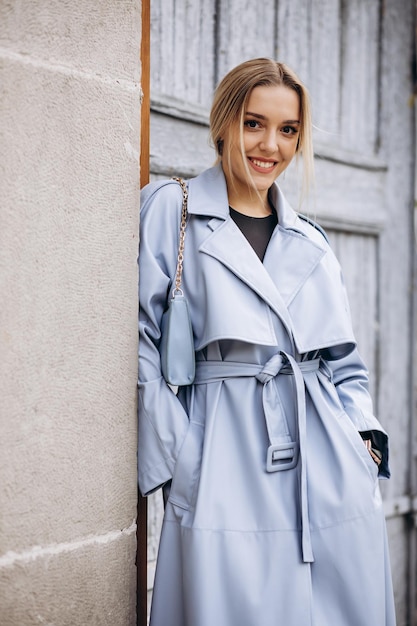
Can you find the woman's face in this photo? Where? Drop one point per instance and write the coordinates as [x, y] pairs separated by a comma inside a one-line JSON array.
[[271, 129]]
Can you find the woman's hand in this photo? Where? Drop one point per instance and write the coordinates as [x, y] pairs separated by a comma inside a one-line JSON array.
[[375, 454]]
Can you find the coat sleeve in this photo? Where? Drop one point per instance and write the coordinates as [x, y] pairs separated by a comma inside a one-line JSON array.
[[162, 420], [350, 378]]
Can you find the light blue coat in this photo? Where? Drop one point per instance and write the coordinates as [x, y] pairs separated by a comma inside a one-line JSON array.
[[274, 515]]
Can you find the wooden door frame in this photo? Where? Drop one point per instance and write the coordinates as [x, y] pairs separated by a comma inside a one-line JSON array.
[[145, 58], [142, 509]]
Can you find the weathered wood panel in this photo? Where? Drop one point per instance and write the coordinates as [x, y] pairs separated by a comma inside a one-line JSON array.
[[183, 49], [360, 72], [325, 73], [358, 255], [245, 29]]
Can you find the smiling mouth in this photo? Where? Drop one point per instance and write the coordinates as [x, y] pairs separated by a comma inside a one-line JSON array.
[[265, 165]]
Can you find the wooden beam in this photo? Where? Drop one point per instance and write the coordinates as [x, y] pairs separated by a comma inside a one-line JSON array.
[[141, 534], [141, 563], [145, 57]]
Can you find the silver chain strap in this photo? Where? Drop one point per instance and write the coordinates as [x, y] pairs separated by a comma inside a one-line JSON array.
[[183, 224]]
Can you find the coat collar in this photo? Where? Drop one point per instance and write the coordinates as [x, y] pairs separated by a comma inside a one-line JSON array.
[[291, 255], [208, 196]]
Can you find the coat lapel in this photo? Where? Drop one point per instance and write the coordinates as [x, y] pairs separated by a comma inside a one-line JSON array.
[[229, 246], [290, 257]]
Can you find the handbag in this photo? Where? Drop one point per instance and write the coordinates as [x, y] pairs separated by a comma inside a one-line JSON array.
[[177, 343]]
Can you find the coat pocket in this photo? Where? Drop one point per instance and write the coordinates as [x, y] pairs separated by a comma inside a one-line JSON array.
[[187, 468], [359, 446]]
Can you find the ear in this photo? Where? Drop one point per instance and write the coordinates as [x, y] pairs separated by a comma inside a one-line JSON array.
[[220, 144]]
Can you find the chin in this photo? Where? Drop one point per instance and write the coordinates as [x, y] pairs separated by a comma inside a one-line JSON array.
[[264, 185]]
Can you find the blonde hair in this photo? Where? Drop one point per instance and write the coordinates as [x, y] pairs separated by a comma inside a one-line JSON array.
[[230, 103]]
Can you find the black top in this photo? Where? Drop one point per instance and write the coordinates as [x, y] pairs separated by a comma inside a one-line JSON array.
[[257, 230]]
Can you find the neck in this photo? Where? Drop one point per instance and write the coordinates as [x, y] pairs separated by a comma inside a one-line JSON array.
[[252, 210], [251, 205]]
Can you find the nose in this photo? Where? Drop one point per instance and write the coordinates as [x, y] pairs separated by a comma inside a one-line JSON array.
[[269, 142]]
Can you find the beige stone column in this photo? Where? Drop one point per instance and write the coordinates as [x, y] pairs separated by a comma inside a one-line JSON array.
[[69, 142]]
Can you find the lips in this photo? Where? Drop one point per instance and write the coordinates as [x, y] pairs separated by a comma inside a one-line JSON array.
[[261, 165]]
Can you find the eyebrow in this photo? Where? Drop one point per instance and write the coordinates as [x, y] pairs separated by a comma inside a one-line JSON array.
[[262, 117]]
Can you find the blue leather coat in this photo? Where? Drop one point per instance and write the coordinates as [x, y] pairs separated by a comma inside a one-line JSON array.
[[274, 515]]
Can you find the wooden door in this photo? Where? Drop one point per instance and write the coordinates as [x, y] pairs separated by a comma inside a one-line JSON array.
[[356, 57]]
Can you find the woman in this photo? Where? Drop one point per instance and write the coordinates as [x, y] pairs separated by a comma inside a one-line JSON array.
[[274, 514]]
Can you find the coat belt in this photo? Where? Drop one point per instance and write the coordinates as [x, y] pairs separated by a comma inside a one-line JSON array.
[[282, 453]]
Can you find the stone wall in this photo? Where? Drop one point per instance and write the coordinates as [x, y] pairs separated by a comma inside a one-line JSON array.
[[69, 143]]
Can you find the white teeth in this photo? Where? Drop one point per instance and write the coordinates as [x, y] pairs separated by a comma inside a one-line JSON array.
[[264, 164]]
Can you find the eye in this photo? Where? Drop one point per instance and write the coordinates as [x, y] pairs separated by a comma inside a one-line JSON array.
[[289, 130], [251, 124]]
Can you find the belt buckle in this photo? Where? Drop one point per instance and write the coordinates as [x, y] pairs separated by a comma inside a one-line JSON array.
[[282, 456]]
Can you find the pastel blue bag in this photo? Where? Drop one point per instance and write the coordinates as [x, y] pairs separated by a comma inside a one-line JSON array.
[[177, 343]]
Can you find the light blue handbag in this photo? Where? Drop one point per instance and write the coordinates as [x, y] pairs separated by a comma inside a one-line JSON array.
[[177, 343]]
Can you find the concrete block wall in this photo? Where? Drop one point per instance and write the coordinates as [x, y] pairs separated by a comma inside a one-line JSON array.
[[69, 186]]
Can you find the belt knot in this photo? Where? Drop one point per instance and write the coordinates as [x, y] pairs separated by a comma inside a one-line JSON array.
[[271, 369]]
